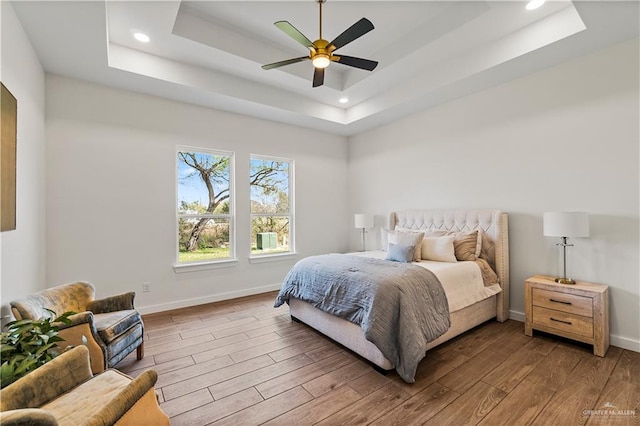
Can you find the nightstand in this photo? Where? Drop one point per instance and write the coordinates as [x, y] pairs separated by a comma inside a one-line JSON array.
[[577, 311]]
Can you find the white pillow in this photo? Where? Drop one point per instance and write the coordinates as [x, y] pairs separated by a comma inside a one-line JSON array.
[[407, 239], [439, 249], [461, 242]]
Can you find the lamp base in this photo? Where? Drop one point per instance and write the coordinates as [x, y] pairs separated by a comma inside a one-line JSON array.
[[565, 281]]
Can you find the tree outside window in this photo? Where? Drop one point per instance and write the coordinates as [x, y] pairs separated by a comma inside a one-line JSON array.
[[271, 181], [205, 205]]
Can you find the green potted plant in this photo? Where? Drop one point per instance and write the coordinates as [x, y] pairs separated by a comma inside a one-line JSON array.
[[28, 344]]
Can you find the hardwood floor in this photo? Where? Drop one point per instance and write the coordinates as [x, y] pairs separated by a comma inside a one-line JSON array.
[[242, 362]]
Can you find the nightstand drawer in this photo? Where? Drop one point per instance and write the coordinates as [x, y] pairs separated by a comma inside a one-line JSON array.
[[570, 303], [568, 322]]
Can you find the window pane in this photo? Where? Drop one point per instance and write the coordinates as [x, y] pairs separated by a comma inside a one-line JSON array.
[[269, 186], [204, 190], [203, 239], [269, 234], [203, 183]]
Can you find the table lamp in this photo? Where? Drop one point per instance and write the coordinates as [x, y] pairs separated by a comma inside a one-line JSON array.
[[363, 221], [565, 225]]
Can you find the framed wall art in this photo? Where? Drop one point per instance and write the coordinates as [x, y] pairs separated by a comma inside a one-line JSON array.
[[8, 124]]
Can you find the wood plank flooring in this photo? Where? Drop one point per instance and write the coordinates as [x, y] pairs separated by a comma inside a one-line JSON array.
[[242, 362]]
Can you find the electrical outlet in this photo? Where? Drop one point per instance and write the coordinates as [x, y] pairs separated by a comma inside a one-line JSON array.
[[146, 286]]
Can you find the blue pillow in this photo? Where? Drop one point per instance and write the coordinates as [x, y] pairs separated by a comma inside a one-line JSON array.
[[398, 253]]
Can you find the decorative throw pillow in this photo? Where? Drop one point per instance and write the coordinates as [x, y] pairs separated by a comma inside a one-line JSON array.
[[439, 249], [466, 244], [407, 239], [399, 253], [489, 276], [488, 251], [414, 232]]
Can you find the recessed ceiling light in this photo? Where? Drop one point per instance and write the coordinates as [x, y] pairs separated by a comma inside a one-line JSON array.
[[534, 4], [343, 100], [142, 37]]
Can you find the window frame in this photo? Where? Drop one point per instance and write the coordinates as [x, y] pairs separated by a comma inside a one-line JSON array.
[[231, 216], [258, 257]]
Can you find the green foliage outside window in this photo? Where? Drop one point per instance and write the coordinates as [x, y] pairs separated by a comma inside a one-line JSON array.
[[270, 181], [204, 216], [204, 204]]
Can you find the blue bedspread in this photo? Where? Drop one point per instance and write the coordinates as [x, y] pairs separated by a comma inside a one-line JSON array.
[[400, 307]]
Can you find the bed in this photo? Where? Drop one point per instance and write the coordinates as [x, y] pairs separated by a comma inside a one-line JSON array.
[[493, 227]]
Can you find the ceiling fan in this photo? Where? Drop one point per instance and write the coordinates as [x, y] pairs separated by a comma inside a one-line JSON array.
[[321, 51]]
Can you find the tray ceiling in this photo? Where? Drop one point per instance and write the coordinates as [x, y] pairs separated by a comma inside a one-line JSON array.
[[210, 52]]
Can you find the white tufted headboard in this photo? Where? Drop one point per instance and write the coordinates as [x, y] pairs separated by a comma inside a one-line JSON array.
[[495, 237]]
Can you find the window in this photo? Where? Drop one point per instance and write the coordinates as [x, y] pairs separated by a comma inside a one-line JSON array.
[[205, 205], [271, 181]]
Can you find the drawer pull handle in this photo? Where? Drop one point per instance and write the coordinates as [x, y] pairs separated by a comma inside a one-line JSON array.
[[560, 301], [557, 320]]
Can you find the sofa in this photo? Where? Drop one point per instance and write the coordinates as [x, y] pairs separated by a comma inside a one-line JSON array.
[[110, 328], [65, 392]]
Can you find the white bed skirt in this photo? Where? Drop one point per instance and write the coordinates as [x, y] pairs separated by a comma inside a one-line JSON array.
[[351, 336]]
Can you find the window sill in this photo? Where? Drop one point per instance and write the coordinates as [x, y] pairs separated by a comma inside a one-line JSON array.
[[272, 257], [203, 266]]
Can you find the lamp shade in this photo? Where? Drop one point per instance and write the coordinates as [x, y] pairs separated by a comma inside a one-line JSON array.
[[566, 224], [363, 220]]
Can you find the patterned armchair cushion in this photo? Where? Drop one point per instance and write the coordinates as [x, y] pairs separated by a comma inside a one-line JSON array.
[[120, 302], [68, 297], [92, 396], [110, 327], [27, 416], [122, 345], [113, 324], [63, 391], [47, 382]]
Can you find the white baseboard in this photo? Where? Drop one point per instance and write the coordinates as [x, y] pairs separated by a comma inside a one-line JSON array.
[[624, 343], [614, 340], [516, 315], [150, 309]]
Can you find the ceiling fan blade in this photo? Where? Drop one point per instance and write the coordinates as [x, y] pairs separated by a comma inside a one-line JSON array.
[[293, 32], [364, 64], [358, 29], [283, 63], [318, 77]]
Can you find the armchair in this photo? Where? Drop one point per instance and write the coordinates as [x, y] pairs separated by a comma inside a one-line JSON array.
[[64, 392], [112, 327]]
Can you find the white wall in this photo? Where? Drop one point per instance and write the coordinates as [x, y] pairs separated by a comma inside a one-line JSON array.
[[563, 139], [22, 253], [111, 192]]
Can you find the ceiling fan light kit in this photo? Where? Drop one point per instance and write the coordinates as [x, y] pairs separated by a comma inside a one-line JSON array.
[[321, 60], [321, 51]]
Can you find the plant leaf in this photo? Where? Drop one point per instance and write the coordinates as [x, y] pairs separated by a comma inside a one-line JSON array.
[[28, 344], [25, 366]]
